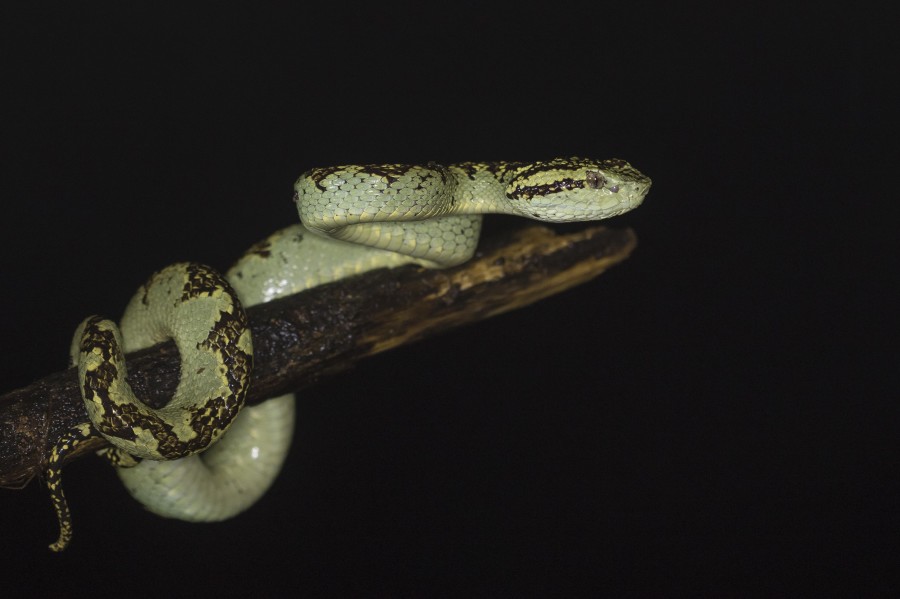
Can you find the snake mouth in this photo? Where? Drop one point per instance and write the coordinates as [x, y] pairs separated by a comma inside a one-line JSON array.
[[575, 189], [583, 204]]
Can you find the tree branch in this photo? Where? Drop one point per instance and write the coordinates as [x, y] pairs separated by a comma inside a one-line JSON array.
[[299, 339]]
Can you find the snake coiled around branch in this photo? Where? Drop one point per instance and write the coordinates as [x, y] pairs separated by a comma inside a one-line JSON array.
[[204, 457]]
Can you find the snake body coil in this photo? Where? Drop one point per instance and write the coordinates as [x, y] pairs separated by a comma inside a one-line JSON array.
[[354, 218]]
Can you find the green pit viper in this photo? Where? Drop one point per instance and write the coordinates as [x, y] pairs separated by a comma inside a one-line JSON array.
[[177, 460]]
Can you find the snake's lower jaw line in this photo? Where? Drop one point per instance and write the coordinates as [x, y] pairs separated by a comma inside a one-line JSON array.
[[622, 202], [631, 203]]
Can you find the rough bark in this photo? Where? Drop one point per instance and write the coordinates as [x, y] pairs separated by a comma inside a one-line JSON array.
[[300, 339]]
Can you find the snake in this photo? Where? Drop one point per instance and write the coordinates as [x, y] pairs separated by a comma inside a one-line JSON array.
[[204, 457]]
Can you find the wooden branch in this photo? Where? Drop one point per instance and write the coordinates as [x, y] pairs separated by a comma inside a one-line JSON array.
[[302, 338]]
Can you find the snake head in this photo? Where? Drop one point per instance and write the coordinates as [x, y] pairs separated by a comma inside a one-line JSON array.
[[576, 189]]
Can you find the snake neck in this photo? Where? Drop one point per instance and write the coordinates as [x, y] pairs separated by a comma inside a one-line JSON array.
[[481, 188]]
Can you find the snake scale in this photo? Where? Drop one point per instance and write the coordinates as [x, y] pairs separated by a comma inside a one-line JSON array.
[[178, 461]]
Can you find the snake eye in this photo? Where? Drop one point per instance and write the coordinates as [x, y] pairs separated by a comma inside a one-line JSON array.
[[595, 180]]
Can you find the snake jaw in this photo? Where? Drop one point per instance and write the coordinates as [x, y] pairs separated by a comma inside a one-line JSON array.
[[573, 190], [576, 189]]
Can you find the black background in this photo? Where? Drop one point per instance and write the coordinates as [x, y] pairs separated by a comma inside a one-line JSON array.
[[716, 415]]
